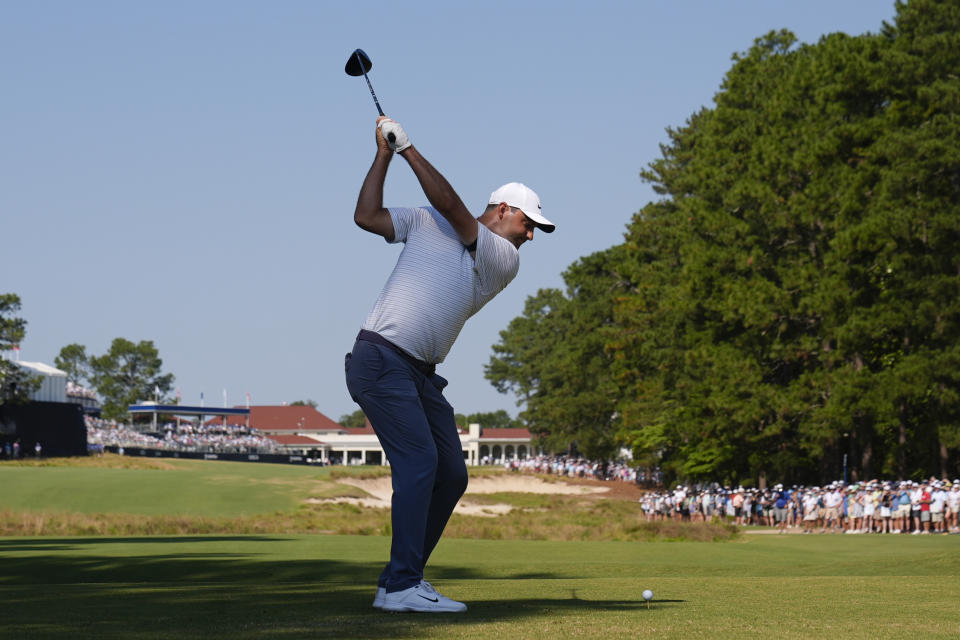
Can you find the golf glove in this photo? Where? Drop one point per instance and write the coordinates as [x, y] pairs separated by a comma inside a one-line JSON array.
[[400, 139]]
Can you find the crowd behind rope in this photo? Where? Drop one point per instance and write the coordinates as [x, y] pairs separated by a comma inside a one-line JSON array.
[[214, 438], [889, 507], [76, 391], [924, 507], [576, 467]]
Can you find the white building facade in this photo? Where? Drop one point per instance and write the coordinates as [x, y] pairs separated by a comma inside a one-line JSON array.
[[360, 446]]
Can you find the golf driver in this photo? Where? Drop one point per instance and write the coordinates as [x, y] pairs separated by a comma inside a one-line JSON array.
[[357, 65]]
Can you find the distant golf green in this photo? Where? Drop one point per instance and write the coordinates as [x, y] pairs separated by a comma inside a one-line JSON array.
[[176, 487]]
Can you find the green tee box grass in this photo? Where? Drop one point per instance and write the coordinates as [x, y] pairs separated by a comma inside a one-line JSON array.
[[322, 586]]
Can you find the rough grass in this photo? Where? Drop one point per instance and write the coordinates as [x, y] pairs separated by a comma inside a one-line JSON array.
[[363, 472], [357, 473], [129, 496], [597, 522], [106, 461]]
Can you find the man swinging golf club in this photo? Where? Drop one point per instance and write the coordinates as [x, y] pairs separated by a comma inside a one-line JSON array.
[[451, 265]]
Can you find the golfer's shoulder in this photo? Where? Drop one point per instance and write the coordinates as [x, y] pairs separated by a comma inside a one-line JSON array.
[[408, 220], [495, 247], [412, 214]]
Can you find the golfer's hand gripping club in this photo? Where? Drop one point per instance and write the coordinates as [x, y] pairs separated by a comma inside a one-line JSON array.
[[395, 135]]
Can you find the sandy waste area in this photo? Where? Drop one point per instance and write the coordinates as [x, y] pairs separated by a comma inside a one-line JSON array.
[[380, 490]]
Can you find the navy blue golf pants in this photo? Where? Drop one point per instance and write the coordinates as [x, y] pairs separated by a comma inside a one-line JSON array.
[[417, 430]]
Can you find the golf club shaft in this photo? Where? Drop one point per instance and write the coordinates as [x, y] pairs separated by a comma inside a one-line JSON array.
[[375, 101], [363, 68], [390, 136]]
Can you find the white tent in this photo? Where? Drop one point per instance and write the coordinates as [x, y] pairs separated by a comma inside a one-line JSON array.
[[54, 382]]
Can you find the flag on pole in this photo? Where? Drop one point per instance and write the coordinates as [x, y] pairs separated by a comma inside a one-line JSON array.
[[224, 398], [178, 395], [248, 399], [16, 351], [201, 398]]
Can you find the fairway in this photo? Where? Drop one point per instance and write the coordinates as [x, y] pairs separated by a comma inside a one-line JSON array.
[[322, 586], [148, 486], [130, 496], [193, 549]]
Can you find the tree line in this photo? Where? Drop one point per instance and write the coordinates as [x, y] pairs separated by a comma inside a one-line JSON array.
[[792, 299], [16, 383], [131, 372], [127, 373]]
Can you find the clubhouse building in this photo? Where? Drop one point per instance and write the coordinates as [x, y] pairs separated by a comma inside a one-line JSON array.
[[302, 430]]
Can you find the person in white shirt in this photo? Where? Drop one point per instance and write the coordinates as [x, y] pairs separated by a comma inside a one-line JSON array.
[[869, 501], [953, 506], [451, 265], [938, 502], [832, 501], [810, 510]]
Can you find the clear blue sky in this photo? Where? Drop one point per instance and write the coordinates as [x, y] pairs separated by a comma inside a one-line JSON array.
[[186, 172]]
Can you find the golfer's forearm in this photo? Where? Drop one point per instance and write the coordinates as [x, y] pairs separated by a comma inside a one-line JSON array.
[[442, 196], [370, 214]]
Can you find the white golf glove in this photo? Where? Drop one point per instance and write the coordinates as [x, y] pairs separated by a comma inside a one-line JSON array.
[[400, 139]]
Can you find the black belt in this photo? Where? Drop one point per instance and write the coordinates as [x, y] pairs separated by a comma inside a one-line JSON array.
[[376, 338]]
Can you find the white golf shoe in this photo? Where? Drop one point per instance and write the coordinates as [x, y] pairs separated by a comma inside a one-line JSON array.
[[379, 598], [420, 597]]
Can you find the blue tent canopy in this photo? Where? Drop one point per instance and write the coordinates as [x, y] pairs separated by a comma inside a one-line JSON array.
[[184, 410]]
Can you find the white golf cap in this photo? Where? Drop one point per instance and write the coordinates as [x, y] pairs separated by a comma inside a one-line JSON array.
[[520, 196]]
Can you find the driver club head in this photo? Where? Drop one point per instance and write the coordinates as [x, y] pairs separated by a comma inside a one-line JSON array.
[[358, 63]]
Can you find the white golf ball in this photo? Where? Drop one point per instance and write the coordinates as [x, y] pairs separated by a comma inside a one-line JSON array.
[[647, 594]]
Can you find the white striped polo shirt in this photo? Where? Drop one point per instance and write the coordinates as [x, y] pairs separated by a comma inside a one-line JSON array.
[[436, 285]]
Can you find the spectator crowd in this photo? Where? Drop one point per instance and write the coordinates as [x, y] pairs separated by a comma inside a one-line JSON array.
[[572, 467], [889, 507], [210, 437]]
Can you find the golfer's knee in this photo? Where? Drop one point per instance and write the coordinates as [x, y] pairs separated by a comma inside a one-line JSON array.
[[455, 480]]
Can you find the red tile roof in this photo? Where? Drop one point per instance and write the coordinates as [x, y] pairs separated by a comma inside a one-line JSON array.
[[285, 418], [290, 418], [361, 431]]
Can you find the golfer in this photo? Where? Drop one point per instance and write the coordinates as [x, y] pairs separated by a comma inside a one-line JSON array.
[[451, 265]]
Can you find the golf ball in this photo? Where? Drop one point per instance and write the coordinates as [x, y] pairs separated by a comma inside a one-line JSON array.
[[647, 594]]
